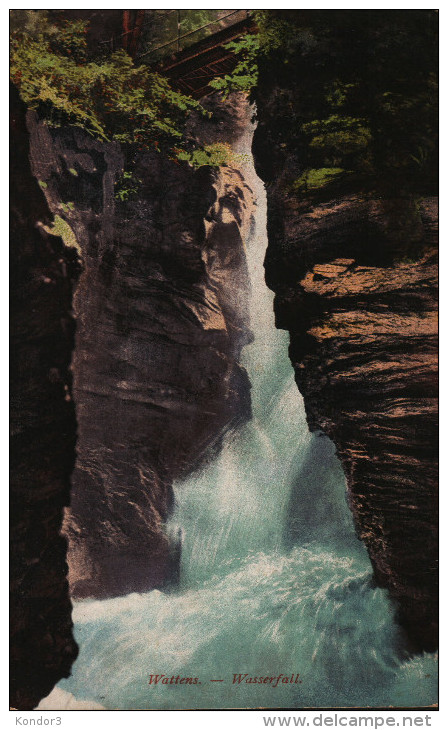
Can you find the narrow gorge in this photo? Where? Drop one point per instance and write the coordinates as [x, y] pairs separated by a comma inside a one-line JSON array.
[[200, 511]]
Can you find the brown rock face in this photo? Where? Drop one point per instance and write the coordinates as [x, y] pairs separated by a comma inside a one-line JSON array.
[[352, 260], [161, 312], [363, 324], [43, 432], [366, 362]]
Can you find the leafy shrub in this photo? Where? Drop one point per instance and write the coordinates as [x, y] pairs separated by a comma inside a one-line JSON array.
[[61, 228], [245, 74], [355, 90], [110, 98], [314, 179], [214, 155], [127, 186], [340, 140]]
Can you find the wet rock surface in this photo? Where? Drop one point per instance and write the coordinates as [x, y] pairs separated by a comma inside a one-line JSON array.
[[161, 311], [43, 433], [355, 276]]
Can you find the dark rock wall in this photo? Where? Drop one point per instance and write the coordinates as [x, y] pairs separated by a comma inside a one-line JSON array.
[[158, 284], [161, 311], [43, 433], [354, 270]]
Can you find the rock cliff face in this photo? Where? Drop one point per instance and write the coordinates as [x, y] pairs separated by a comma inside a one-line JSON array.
[[355, 277], [161, 311], [43, 432]]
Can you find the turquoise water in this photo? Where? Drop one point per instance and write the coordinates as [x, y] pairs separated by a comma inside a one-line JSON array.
[[273, 579]]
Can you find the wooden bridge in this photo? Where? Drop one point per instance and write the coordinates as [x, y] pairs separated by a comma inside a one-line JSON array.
[[175, 42], [191, 68]]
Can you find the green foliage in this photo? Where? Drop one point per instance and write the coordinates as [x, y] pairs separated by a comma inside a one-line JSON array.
[[340, 140], [160, 30], [61, 228], [355, 90], [109, 98], [410, 120], [191, 20], [213, 155], [338, 93], [245, 74], [127, 186], [276, 34], [315, 179]]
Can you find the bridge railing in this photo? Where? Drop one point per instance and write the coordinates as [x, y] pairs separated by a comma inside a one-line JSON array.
[[179, 29], [164, 33]]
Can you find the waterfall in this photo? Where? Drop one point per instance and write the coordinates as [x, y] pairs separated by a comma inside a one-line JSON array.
[[273, 579]]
